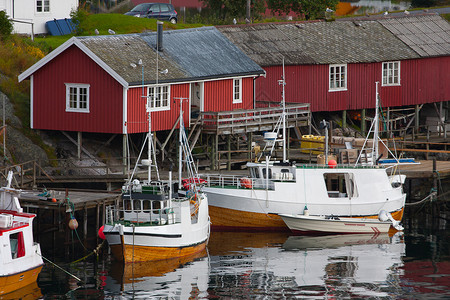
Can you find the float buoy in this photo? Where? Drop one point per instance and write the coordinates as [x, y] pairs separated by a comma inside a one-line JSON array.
[[332, 163], [73, 223], [100, 232]]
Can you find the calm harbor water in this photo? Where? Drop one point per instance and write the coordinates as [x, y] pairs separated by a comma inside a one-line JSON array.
[[410, 264]]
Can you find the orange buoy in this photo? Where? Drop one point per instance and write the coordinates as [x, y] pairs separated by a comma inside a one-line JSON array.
[[332, 163], [73, 223], [53, 200]]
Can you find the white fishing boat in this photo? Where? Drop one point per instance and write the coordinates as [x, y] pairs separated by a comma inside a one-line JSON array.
[[254, 202], [20, 257], [154, 222], [306, 224]]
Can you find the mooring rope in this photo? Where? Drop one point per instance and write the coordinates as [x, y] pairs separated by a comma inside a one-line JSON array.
[[433, 193], [95, 251], [48, 260]]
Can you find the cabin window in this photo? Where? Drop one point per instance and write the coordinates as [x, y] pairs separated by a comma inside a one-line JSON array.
[[264, 170], [338, 77], [391, 73], [254, 173], [77, 97], [42, 5], [137, 205], [160, 100], [146, 205], [237, 90], [127, 205], [17, 245], [340, 185]]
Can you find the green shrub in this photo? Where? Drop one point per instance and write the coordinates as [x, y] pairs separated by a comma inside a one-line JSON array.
[[6, 25]]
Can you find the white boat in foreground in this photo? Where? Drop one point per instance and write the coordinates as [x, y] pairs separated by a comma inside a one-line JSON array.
[[305, 224], [20, 257], [153, 222]]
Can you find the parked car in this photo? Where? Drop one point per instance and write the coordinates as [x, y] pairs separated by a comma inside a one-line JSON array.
[[160, 11]]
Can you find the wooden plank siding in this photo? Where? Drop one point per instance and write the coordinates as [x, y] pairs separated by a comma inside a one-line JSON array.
[[137, 120], [422, 81], [49, 95], [218, 95]]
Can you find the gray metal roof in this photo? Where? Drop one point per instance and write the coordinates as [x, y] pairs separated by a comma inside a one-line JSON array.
[[428, 35], [188, 54], [318, 43], [204, 53]]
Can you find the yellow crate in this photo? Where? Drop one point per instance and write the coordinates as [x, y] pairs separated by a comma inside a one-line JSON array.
[[312, 141]]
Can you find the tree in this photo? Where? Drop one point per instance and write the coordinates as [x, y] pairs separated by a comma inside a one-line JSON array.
[[6, 25], [229, 9], [310, 9]]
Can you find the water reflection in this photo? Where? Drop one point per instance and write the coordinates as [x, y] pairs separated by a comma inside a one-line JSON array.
[[175, 278]]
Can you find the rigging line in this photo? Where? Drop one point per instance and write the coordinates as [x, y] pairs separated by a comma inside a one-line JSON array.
[[59, 267]]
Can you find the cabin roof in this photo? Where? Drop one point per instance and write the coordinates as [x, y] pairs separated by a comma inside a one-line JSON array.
[[352, 41]]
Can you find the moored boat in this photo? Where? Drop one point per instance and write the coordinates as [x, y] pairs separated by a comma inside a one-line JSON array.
[[305, 224], [254, 202], [20, 257], [153, 221]]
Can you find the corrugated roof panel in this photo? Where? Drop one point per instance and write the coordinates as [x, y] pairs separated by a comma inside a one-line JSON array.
[[429, 33], [318, 42]]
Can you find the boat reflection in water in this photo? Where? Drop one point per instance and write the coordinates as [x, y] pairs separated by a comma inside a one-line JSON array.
[[271, 265], [29, 292], [309, 266], [178, 277]]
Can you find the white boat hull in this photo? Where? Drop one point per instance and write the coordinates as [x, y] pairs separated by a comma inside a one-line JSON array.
[[307, 189], [137, 242], [314, 224]]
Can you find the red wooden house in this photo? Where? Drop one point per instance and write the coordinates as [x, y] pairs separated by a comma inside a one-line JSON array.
[[334, 65], [101, 83]]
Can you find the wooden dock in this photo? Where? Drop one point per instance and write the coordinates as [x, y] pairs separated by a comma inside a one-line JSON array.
[[424, 169], [55, 209]]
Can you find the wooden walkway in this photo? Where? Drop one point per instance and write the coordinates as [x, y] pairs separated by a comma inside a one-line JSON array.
[[425, 169]]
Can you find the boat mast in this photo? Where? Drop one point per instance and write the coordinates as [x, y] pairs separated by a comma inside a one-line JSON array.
[[375, 130], [282, 82]]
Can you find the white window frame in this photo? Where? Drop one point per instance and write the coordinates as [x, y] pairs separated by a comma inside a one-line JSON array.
[[160, 105], [334, 72], [390, 73], [74, 105], [237, 90], [43, 5]]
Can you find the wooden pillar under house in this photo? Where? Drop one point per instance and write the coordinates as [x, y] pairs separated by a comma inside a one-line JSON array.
[[363, 122], [79, 144], [388, 122], [124, 153], [344, 119], [417, 124], [229, 152], [249, 145], [216, 152], [85, 225]]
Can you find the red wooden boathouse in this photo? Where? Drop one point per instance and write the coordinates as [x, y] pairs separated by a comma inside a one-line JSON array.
[[101, 83], [334, 65]]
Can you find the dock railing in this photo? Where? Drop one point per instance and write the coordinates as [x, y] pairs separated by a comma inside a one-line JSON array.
[[251, 120]]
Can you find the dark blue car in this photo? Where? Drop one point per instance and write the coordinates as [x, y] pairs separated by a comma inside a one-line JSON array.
[[160, 11]]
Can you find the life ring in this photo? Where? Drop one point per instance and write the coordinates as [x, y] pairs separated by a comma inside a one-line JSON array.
[[246, 183]]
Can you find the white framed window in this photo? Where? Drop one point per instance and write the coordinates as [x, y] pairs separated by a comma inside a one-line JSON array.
[[42, 6], [160, 100], [77, 97], [237, 90], [391, 73], [338, 77]]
